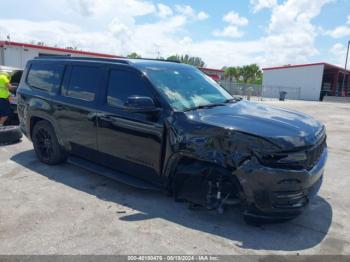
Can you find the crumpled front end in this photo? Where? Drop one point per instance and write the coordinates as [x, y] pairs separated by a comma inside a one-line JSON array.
[[279, 192], [276, 181]]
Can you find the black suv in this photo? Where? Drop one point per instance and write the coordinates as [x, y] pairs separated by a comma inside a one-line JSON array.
[[167, 124]]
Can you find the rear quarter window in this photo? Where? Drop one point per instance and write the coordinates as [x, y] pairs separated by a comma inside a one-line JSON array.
[[45, 76]]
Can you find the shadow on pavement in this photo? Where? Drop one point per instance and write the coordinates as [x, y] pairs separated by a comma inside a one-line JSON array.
[[304, 232]]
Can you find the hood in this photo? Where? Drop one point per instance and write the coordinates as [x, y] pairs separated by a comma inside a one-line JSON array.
[[285, 128]]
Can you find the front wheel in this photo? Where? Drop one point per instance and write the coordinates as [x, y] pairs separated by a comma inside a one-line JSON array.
[[46, 145]]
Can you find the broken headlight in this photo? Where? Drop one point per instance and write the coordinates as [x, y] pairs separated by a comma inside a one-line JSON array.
[[246, 146], [285, 159], [267, 153]]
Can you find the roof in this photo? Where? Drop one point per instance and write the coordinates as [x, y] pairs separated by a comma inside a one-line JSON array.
[[138, 63], [157, 64], [49, 48], [327, 65]]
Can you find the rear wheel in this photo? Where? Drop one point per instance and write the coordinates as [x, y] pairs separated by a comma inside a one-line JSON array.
[[46, 145]]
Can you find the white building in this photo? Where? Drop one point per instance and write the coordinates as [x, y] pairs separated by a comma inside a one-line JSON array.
[[305, 81], [16, 55]]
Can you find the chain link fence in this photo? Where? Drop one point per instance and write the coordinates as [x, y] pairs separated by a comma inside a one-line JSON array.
[[259, 92], [292, 93]]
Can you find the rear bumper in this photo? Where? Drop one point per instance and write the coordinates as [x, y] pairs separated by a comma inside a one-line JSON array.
[[282, 193]]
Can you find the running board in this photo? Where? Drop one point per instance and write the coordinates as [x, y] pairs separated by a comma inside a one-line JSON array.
[[110, 173]]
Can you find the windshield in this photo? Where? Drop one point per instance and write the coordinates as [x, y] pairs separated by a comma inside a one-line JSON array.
[[187, 88]]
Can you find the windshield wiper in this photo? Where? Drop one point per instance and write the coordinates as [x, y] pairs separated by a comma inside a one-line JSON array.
[[230, 100], [205, 106], [233, 99]]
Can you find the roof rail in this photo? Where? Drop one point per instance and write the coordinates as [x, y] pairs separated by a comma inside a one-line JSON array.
[[157, 59], [115, 60]]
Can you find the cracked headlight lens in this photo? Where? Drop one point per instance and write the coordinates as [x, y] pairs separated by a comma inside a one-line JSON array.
[[285, 158]]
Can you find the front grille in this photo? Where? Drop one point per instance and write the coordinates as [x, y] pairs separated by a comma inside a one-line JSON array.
[[314, 154]]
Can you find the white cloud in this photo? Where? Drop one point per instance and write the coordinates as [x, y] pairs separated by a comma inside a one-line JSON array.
[[164, 11], [189, 12], [185, 10], [121, 39], [219, 53], [110, 7], [337, 54], [84, 7], [232, 30], [56, 33], [186, 40], [262, 4], [228, 31], [234, 18], [340, 31], [291, 35], [289, 38], [202, 16]]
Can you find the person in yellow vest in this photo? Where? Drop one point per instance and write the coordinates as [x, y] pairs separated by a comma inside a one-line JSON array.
[[5, 88]]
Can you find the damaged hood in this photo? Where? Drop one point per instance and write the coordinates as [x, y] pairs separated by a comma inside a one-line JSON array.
[[285, 128]]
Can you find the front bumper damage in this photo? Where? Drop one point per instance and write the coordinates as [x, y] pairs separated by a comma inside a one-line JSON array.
[[276, 192]]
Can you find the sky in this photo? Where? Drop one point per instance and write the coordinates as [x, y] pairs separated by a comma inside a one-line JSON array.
[[221, 32]]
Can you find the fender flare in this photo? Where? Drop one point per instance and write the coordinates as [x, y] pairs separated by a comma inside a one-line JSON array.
[[52, 122]]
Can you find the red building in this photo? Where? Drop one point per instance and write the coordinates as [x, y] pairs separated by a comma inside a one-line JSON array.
[[216, 74]]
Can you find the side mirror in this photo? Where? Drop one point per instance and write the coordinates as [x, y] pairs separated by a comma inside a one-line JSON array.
[[140, 104]]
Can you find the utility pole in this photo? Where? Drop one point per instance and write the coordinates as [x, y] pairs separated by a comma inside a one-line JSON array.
[[346, 62]]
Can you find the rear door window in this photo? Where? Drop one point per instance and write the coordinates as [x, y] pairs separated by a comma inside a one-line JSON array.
[[45, 76], [84, 82], [123, 84]]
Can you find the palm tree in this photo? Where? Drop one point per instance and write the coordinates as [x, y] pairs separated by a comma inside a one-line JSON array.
[[233, 72], [251, 73]]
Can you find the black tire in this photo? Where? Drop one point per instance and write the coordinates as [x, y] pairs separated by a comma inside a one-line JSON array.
[[10, 135], [46, 145], [12, 120]]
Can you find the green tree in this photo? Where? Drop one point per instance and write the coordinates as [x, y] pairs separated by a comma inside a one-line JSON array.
[[186, 59], [258, 74], [245, 74], [174, 58], [233, 73], [134, 55]]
